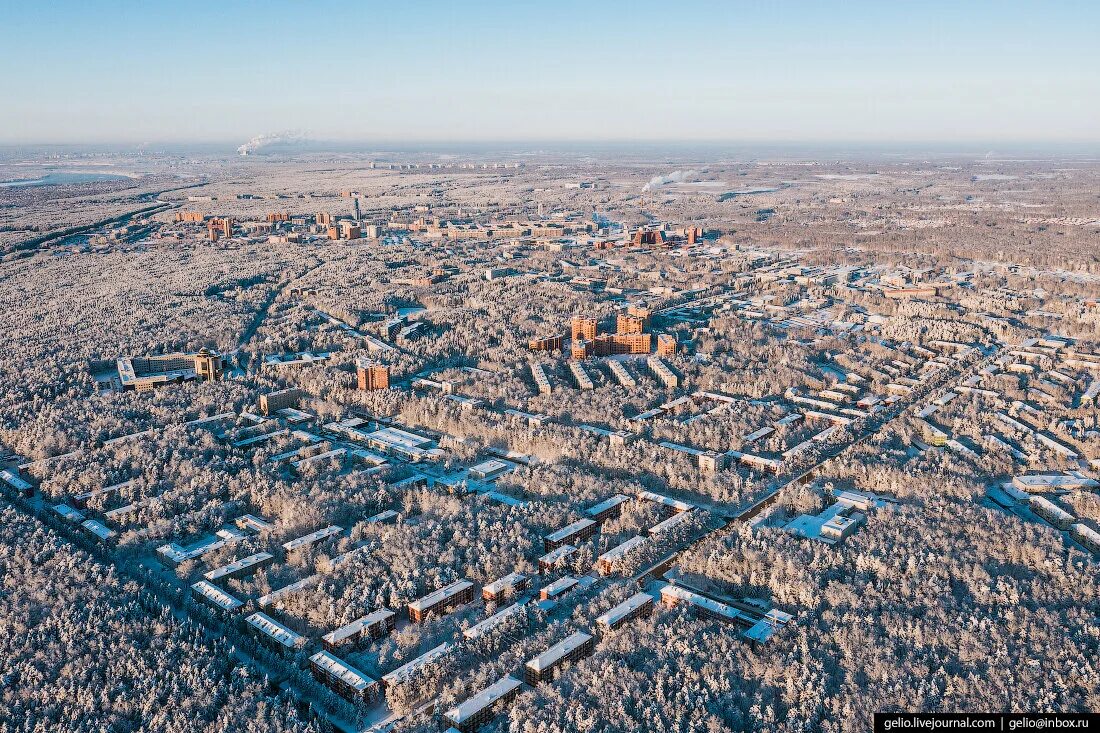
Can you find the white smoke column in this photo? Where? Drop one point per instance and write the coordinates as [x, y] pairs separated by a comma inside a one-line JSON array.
[[271, 138], [673, 177]]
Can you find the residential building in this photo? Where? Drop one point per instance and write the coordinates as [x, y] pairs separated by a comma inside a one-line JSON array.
[[572, 534], [371, 375], [272, 402], [667, 505], [637, 606], [374, 625], [608, 508], [543, 667], [666, 344], [241, 568], [583, 328], [628, 324], [558, 588], [508, 586], [674, 595], [410, 670], [548, 343], [481, 708], [273, 632], [217, 228], [556, 557], [609, 562], [662, 373], [487, 625], [215, 596], [441, 601], [1086, 535], [1051, 512], [313, 538], [344, 678]]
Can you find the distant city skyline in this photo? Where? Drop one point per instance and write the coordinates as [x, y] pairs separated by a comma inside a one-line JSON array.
[[878, 73]]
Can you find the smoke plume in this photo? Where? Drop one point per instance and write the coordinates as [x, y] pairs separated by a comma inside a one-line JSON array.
[[269, 139], [674, 177]]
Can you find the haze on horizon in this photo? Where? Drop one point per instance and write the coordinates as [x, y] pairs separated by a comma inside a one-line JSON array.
[[124, 72]]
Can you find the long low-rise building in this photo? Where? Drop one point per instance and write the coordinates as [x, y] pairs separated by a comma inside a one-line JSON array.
[[558, 588], [572, 534], [344, 678], [442, 600], [487, 625], [608, 508], [481, 708], [240, 568], [638, 605], [301, 543], [271, 630], [669, 524], [374, 625], [509, 585], [277, 595], [543, 667], [1051, 512], [1040, 483], [1086, 535], [15, 481], [409, 670], [608, 562], [674, 595], [666, 504], [215, 596], [552, 559]]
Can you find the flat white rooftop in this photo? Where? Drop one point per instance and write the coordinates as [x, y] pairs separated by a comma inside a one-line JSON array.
[[486, 625], [358, 626], [568, 531], [460, 714], [341, 670], [312, 538], [559, 651], [441, 595], [275, 630], [406, 671], [606, 504], [624, 609]]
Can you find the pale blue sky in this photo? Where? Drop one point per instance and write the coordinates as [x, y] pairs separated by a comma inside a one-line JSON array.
[[98, 71]]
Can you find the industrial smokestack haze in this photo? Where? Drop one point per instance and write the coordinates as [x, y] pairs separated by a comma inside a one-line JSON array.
[[270, 140]]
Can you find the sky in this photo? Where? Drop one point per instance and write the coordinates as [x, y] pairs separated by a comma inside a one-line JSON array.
[[96, 71]]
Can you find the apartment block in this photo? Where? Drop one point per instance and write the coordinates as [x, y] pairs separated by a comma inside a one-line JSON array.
[[608, 508], [572, 534], [374, 625], [549, 343], [441, 601], [509, 585], [481, 708], [609, 562], [637, 606], [371, 376], [628, 324], [272, 402], [583, 328], [543, 667], [343, 678]]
